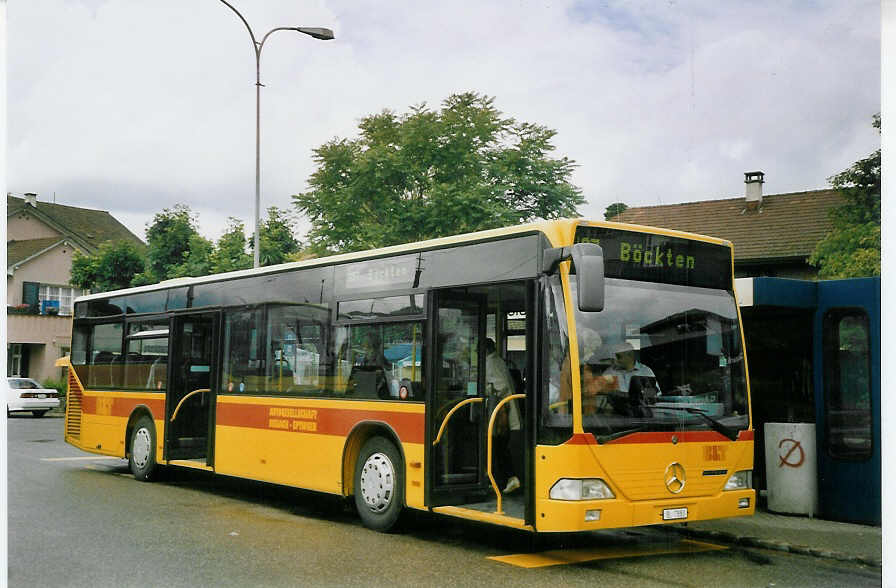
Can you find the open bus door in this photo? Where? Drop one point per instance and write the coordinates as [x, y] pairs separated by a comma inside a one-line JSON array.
[[458, 401], [462, 475], [190, 401]]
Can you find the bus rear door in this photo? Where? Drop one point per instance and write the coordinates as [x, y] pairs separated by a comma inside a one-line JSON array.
[[190, 403]]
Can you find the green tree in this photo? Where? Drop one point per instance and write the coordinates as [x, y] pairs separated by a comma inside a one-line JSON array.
[[278, 242], [197, 259], [111, 267], [431, 173], [852, 248], [230, 251], [174, 240], [614, 209]]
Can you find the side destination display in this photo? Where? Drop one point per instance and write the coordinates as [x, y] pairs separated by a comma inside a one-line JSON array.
[[631, 255]]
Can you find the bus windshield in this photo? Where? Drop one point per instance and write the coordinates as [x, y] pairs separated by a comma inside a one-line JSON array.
[[660, 357]]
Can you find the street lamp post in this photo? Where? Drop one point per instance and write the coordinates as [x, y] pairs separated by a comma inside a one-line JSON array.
[[317, 33]]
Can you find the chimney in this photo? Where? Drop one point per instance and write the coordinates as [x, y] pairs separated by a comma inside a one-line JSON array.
[[31, 198], [753, 193]]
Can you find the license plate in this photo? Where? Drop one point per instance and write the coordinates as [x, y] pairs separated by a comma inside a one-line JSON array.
[[674, 514], [41, 395]]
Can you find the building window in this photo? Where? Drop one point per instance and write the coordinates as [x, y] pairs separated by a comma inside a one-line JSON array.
[[64, 294]]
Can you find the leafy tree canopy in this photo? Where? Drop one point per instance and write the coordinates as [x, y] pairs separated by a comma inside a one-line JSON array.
[[230, 252], [278, 242], [614, 209], [170, 236], [113, 266], [852, 248], [197, 258], [430, 173]]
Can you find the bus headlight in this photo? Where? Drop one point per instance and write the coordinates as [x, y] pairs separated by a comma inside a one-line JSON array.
[[587, 489], [740, 480]]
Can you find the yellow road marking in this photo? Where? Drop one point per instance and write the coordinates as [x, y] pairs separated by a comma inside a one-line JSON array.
[[90, 458], [571, 556]]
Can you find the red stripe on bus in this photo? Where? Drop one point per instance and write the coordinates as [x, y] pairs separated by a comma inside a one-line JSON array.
[[121, 407], [582, 439], [323, 421], [683, 437]]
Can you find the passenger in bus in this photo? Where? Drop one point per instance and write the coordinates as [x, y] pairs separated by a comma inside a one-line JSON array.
[[158, 371], [589, 342], [508, 435], [631, 385], [370, 378]]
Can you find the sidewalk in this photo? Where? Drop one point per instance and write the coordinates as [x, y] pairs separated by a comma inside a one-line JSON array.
[[797, 534]]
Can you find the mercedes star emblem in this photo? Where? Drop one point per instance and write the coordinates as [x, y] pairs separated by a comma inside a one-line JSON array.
[[674, 478]]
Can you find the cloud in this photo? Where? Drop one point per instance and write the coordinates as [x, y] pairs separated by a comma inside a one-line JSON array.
[[133, 107]]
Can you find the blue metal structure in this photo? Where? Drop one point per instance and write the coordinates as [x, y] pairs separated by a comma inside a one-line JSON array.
[[842, 337], [847, 399]]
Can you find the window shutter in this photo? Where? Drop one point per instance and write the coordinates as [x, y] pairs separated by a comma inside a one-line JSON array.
[[30, 294]]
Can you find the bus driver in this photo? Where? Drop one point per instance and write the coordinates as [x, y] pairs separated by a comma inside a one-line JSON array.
[[629, 383]]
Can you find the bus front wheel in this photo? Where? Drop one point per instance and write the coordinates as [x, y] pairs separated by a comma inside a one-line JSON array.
[[142, 457], [379, 484]]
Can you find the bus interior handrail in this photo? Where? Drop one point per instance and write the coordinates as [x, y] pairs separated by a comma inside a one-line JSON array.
[[491, 424], [450, 413], [182, 400]]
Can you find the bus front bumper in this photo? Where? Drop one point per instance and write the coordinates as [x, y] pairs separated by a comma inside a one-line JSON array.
[[588, 515]]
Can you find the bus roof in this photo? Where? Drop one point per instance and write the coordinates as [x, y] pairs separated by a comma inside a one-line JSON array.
[[558, 232]]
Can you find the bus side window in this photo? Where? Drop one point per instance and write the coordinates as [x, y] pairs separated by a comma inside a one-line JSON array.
[[295, 339], [243, 330], [106, 361], [386, 361], [308, 351]]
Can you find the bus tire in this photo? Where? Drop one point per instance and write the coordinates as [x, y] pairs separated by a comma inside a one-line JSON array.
[[142, 456], [379, 484]]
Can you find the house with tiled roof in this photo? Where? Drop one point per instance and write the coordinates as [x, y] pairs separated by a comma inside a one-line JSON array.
[[773, 234], [41, 240]]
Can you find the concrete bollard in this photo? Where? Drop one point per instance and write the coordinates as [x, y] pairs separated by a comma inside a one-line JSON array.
[[791, 468]]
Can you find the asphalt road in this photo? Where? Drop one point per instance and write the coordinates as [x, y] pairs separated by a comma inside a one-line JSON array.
[[87, 522]]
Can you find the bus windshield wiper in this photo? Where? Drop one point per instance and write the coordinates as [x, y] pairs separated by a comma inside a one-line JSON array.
[[604, 438], [713, 423]]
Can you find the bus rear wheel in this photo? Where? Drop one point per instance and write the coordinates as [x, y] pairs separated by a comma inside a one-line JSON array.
[[379, 484], [142, 457]]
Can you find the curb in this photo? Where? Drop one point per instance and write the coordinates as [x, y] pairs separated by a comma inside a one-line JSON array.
[[783, 546]]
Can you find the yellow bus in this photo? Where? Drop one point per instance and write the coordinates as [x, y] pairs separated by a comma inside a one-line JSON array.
[[567, 375]]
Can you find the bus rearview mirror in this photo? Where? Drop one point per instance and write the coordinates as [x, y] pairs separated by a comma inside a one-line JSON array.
[[588, 259]]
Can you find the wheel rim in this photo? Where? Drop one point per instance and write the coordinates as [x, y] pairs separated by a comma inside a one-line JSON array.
[[141, 447], [378, 482]]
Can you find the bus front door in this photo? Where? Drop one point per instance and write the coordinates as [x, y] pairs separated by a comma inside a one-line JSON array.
[[190, 404], [458, 401]]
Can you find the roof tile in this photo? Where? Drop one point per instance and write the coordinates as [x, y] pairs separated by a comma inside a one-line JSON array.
[[17, 251], [93, 227], [785, 226]]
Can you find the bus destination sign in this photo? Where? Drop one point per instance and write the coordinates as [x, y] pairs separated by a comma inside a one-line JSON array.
[[649, 257]]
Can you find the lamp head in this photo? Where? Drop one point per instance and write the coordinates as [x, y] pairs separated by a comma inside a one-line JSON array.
[[317, 32]]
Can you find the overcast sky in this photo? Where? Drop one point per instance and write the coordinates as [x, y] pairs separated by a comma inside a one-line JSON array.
[[132, 106]]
